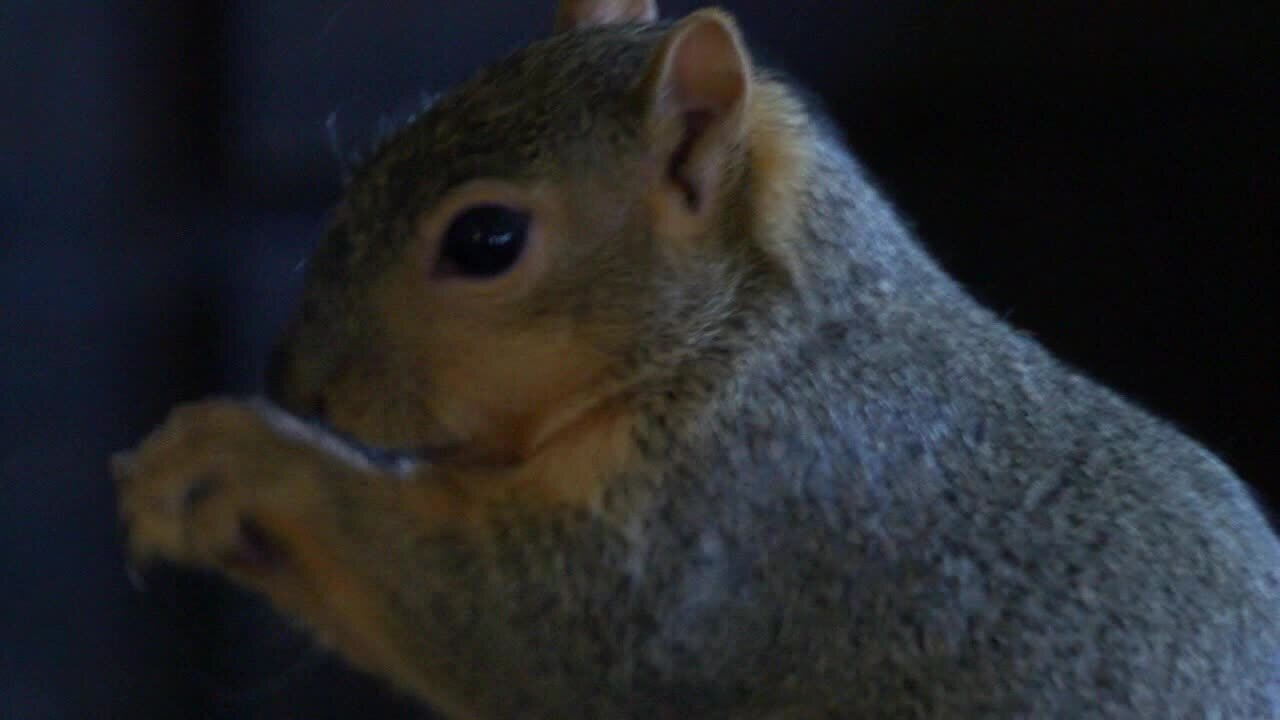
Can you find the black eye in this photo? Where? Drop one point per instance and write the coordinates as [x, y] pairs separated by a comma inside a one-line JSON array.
[[484, 241]]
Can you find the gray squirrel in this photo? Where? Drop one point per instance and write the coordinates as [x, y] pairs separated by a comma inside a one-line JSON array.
[[683, 423]]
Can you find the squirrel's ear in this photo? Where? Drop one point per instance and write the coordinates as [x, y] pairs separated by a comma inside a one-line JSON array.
[[698, 85], [575, 14]]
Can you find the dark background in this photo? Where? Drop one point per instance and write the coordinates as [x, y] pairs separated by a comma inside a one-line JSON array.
[[1107, 177]]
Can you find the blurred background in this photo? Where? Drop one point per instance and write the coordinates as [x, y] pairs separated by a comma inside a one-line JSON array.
[[1105, 174]]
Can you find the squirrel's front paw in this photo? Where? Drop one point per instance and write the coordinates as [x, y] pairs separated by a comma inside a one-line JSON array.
[[215, 486]]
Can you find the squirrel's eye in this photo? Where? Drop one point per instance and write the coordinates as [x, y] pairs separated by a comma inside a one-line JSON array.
[[483, 241]]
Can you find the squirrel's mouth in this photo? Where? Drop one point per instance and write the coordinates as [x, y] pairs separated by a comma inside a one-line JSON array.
[[430, 453], [385, 455], [469, 455]]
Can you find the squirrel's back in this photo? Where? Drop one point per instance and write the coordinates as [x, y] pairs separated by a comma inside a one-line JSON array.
[[1009, 538]]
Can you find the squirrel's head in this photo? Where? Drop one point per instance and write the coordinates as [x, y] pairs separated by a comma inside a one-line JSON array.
[[570, 223]]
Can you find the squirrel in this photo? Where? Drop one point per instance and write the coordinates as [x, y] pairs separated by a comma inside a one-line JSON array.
[[617, 390]]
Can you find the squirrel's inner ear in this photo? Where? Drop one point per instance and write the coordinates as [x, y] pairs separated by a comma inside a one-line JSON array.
[[698, 85], [576, 14]]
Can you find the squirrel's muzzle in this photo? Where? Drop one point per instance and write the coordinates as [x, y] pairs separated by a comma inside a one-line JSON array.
[[284, 388]]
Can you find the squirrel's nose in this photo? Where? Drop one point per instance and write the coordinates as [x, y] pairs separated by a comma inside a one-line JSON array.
[[282, 387]]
